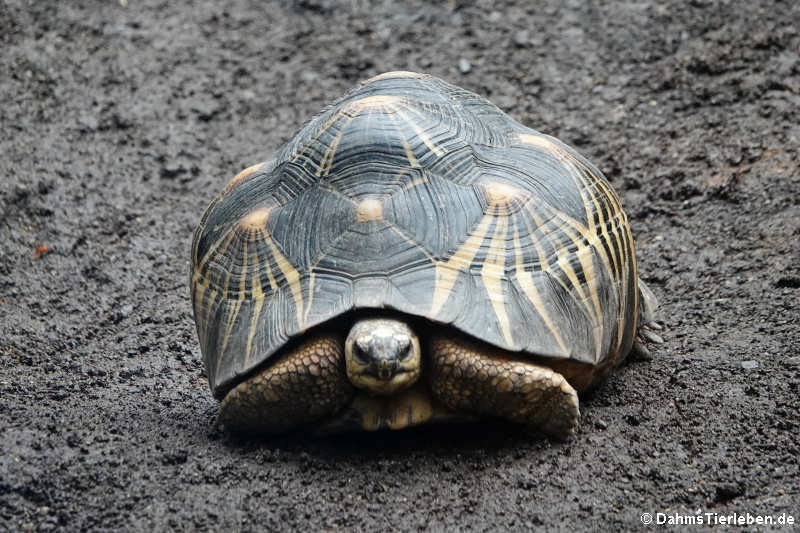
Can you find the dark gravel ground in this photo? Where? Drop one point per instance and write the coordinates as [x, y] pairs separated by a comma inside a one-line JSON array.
[[121, 120]]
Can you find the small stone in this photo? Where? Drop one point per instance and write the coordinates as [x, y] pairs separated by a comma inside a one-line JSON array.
[[750, 364], [522, 38], [600, 424], [464, 66], [89, 122], [308, 76], [495, 16]]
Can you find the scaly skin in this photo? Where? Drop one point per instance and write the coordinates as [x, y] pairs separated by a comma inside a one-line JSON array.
[[305, 386], [472, 377], [310, 386]]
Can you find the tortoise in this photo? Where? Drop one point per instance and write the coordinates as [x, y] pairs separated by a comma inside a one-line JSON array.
[[412, 255]]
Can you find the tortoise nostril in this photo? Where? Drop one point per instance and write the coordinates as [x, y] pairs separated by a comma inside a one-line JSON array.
[[386, 370]]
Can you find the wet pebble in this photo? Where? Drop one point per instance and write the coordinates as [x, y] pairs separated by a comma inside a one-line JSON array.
[[750, 364], [464, 65], [89, 122]]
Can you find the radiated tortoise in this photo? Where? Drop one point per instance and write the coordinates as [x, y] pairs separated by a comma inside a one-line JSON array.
[[413, 254]]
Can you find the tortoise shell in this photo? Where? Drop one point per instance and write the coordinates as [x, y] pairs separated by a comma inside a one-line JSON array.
[[413, 195]]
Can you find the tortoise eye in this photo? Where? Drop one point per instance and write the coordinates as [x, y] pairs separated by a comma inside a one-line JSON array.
[[404, 349], [406, 352], [360, 352]]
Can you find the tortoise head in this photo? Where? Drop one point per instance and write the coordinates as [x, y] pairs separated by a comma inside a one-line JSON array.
[[382, 355]]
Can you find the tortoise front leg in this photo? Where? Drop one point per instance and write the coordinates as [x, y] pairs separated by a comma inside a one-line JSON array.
[[305, 385], [472, 377]]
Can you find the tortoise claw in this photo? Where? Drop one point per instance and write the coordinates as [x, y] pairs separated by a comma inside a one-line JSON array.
[[640, 351], [651, 336], [646, 335], [654, 325]]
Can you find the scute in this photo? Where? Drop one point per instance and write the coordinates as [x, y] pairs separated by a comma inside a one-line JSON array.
[[414, 195]]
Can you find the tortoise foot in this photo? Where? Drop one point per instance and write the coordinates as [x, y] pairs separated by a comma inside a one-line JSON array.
[[304, 386], [646, 335], [408, 408], [472, 377]]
